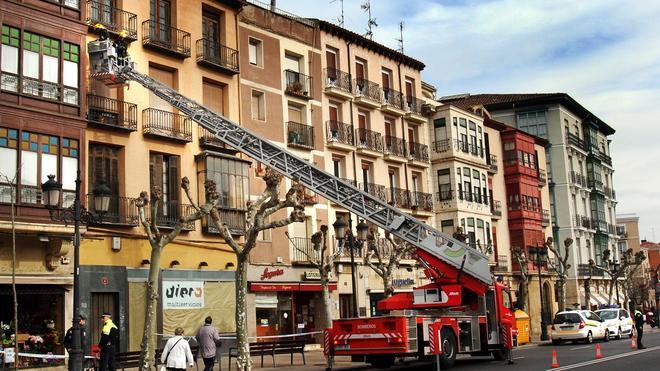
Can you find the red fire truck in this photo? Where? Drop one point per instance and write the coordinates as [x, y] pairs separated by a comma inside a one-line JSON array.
[[454, 314]]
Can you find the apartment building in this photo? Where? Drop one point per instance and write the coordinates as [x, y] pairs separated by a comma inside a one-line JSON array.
[[491, 183], [627, 228], [42, 122], [579, 173], [135, 141]]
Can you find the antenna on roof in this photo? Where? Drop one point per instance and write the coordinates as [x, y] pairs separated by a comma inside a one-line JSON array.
[[371, 22], [340, 19], [400, 39]]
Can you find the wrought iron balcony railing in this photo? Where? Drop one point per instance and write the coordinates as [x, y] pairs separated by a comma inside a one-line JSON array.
[[441, 146], [213, 54], [414, 105], [233, 218], [574, 140], [398, 197], [367, 89], [166, 38], [298, 84], [340, 132], [335, 78], [578, 179], [492, 163], [496, 208], [170, 213], [121, 211], [114, 19], [375, 190], [393, 98], [447, 195], [394, 146], [208, 139], [302, 249], [111, 112], [421, 200], [300, 135], [369, 139], [418, 152], [166, 124]]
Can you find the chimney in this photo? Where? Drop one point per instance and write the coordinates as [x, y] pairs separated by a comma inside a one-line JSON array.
[[273, 5]]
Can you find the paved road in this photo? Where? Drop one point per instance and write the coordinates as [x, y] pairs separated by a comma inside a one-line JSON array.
[[617, 355]]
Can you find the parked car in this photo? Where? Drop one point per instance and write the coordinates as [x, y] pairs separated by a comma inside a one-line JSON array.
[[578, 325], [618, 322]]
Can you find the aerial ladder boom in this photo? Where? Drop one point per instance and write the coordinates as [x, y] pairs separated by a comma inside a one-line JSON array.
[[105, 65]]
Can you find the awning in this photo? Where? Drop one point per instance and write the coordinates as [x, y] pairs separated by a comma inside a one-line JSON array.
[[265, 287], [595, 298]]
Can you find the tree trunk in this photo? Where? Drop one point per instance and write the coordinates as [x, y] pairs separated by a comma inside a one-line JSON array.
[[611, 291], [327, 304], [243, 361], [523, 290], [13, 270], [561, 288], [387, 284], [147, 347]]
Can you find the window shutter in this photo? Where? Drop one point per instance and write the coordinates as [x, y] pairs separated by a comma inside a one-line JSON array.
[[155, 166], [173, 178]]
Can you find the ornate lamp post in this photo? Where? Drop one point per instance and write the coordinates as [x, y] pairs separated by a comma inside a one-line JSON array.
[[539, 257], [342, 235], [615, 265], [76, 214]]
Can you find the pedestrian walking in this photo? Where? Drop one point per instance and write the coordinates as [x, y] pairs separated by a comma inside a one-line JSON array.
[[108, 343], [68, 337], [639, 326], [208, 339], [177, 352]]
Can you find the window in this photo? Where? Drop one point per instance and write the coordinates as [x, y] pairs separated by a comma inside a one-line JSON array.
[[213, 94], [8, 165], [160, 12], [258, 106], [104, 169], [447, 226], [255, 52], [164, 173], [440, 130], [534, 123], [444, 185], [338, 167], [48, 66]]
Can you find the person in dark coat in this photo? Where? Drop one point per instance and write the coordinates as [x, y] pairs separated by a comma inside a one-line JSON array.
[[639, 326], [109, 343], [68, 337]]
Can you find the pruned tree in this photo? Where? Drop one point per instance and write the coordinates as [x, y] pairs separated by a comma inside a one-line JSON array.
[[158, 240], [587, 284], [523, 285], [629, 262], [257, 216], [631, 288], [324, 262], [385, 261], [561, 266]]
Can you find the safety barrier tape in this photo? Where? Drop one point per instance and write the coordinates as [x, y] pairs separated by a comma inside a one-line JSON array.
[[43, 356], [251, 337]]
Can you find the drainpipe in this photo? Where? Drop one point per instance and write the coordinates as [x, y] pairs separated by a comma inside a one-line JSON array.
[[403, 130], [350, 105]]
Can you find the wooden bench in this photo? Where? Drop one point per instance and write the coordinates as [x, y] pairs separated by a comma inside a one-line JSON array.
[[271, 348], [132, 359]]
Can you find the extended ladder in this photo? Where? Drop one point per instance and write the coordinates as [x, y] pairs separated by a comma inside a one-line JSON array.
[[449, 250]]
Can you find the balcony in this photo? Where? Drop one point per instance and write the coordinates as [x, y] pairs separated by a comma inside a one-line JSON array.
[[297, 84], [369, 142], [375, 190], [168, 125], [496, 209], [301, 249], [421, 201], [492, 164], [543, 180], [442, 146], [545, 219], [502, 264], [343, 251], [595, 184], [208, 140], [609, 192], [111, 113], [575, 141], [398, 197], [212, 54], [233, 218], [339, 135], [395, 149], [338, 83], [578, 179], [367, 93], [299, 135], [170, 213], [121, 211], [166, 39], [605, 158], [114, 20], [443, 196], [584, 222], [585, 270], [415, 110], [392, 102], [418, 154]]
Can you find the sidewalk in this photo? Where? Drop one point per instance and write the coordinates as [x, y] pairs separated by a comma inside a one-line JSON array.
[[315, 361]]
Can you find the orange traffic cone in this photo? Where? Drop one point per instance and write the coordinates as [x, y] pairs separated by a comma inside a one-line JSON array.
[[599, 355], [555, 364], [633, 343]]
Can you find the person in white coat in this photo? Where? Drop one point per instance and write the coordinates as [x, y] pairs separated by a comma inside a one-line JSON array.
[[177, 354]]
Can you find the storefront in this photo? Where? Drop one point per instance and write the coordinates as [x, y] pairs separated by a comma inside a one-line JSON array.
[[282, 306]]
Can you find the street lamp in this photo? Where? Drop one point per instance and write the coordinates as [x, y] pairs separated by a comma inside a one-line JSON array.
[[539, 256], [615, 265], [343, 235], [76, 214]]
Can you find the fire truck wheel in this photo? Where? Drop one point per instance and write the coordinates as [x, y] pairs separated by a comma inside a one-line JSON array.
[[382, 361], [499, 354], [448, 344]]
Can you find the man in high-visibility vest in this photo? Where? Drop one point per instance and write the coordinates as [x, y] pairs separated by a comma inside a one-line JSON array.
[[108, 343], [639, 326]]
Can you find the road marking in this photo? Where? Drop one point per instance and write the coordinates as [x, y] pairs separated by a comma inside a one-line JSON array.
[[587, 363], [583, 347], [518, 357]]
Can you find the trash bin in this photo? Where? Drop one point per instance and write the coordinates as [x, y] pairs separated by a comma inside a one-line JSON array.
[[522, 322]]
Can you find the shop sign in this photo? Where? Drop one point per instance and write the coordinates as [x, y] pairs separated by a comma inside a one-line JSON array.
[[312, 275], [183, 294], [398, 282], [268, 274]]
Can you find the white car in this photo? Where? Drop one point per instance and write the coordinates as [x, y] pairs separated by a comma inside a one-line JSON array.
[[578, 325], [618, 322]]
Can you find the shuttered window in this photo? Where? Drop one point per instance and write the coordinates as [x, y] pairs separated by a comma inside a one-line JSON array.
[[104, 168], [213, 96], [164, 173]]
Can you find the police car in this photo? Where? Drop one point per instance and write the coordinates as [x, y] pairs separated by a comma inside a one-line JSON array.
[[618, 321], [578, 325]]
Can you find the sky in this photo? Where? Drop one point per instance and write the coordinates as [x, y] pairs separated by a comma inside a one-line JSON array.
[[604, 53]]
